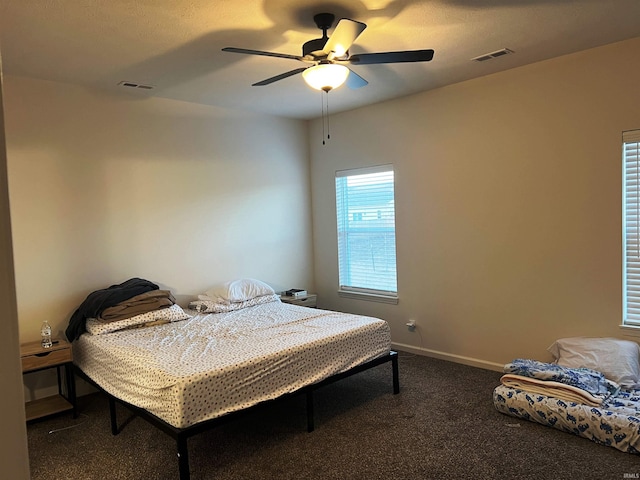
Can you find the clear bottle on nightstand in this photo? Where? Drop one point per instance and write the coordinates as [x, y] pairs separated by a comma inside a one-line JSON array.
[[45, 332]]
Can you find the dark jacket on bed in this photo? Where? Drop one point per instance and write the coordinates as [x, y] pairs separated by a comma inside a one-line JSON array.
[[97, 301]]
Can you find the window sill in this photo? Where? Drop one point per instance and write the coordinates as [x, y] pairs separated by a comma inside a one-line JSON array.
[[368, 296], [630, 331]]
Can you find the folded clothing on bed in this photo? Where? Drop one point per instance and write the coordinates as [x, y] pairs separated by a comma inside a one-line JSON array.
[[143, 303]]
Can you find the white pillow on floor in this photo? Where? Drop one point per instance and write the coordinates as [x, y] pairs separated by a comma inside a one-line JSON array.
[[618, 360]]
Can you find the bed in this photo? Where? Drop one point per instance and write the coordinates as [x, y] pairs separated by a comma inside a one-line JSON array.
[[193, 371], [591, 390]]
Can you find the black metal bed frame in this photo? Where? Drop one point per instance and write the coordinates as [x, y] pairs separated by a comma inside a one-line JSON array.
[[181, 435]]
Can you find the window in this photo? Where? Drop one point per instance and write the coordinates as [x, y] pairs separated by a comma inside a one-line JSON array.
[[367, 233], [631, 225]]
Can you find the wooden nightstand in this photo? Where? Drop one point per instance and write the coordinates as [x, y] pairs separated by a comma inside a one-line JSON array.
[[35, 358], [308, 300]]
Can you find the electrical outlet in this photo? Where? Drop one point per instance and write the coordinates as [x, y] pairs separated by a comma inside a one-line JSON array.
[[411, 325]]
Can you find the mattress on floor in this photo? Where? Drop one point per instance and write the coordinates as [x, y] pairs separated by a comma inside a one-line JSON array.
[[615, 424], [209, 365]]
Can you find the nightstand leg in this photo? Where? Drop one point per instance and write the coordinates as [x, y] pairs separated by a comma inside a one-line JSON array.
[[59, 380], [71, 387]]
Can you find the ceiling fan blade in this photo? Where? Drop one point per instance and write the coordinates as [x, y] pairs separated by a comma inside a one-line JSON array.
[[260, 52], [355, 81], [391, 57], [343, 37], [279, 77]]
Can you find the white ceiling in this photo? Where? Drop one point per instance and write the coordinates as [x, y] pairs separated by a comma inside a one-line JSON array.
[[175, 45]]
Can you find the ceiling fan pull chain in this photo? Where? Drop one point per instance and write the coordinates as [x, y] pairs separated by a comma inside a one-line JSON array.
[[322, 105], [328, 129]]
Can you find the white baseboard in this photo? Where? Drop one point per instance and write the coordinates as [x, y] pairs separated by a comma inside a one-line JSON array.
[[473, 362]]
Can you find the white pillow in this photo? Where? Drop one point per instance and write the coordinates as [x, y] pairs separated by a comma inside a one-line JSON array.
[[618, 360], [239, 290]]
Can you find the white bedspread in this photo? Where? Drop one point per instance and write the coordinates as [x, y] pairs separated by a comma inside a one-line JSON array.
[[212, 364]]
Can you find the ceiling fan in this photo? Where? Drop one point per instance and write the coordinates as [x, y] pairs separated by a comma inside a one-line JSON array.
[[328, 57]]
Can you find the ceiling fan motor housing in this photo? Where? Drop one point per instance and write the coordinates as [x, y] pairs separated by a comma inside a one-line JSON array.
[[324, 21]]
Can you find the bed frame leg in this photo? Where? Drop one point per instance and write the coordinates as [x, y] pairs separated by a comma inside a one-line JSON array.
[[183, 458], [396, 379], [112, 414], [310, 423]]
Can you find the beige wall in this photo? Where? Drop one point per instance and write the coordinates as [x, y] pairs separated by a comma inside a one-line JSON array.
[[106, 187], [508, 197], [13, 454]]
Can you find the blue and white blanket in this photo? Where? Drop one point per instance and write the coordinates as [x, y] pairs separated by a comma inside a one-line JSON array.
[[571, 384], [615, 422]]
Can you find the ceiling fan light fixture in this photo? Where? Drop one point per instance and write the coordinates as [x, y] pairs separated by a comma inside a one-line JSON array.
[[325, 76]]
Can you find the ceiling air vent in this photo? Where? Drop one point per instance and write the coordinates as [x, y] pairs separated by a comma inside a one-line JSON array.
[[489, 56], [135, 85]]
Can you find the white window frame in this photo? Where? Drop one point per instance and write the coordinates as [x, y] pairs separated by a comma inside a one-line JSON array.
[[344, 218], [631, 230]]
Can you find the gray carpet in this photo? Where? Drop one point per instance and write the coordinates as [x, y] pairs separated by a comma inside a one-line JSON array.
[[442, 425]]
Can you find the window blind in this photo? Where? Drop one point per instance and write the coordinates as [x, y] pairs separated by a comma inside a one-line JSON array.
[[365, 211], [631, 221]]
